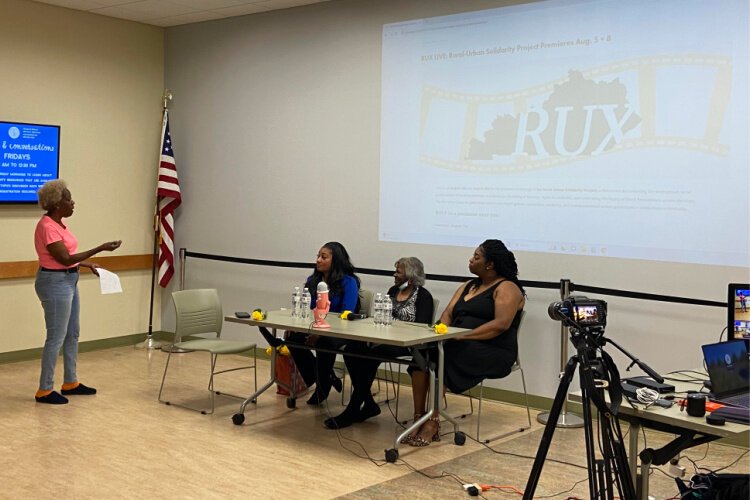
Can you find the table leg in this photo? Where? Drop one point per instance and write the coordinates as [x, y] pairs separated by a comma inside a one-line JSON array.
[[645, 466], [272, 380], [434, 397], [635, 429]]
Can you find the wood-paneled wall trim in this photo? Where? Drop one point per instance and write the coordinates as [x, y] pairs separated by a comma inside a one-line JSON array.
[[28, 268]]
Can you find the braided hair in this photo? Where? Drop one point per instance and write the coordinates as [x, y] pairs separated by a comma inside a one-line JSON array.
[[504, 261]]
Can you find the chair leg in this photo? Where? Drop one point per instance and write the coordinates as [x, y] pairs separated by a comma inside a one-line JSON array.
[[398, 395], [163, 378], [214, 372], [213, 361], [520, 429], [170, 403], [526, 396], [214, 358], [479, 411], [255, 370], [389, 381], [471, 405]]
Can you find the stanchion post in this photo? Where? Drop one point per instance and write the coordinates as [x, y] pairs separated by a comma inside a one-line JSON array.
[[565, 420], [182, 268]]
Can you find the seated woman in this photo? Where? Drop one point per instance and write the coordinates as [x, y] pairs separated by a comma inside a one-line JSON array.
[[334, 267], [411, 302], [491, 305]]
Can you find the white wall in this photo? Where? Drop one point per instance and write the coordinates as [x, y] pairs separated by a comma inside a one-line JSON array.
[[276, 133], [101, 80]]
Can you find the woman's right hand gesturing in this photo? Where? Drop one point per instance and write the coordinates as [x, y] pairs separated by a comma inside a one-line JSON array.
[[110, 246]]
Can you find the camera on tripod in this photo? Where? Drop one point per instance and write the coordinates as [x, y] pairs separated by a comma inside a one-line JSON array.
[[580, 312]]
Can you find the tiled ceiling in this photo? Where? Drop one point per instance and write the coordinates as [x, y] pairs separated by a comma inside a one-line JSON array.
[[176, 12]]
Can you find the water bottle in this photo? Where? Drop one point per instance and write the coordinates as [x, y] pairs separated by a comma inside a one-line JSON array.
[[296, 299], [387, 310], [378, 309], [305, 304]]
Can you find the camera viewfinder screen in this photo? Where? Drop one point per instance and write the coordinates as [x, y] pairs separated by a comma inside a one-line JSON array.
[[586, 315]]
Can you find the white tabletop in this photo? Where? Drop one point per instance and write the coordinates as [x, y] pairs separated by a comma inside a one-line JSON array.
[[400, 333]]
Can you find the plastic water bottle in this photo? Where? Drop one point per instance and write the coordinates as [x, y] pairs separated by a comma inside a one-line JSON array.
[[305, 304], [387, 310], [296, 299], [378, 309]]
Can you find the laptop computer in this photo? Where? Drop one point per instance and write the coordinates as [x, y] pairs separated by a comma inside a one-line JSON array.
[[729, 370]]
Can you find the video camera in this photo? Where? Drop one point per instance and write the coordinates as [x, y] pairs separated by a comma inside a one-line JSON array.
[[580, 312]]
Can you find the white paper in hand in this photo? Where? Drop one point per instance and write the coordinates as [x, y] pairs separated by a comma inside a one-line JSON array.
[[109, 281]]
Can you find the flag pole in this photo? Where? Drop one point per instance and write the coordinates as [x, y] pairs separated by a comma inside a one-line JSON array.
[[150, 342]]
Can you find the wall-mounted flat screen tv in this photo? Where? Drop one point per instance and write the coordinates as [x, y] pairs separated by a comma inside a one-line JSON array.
[[29, 157]]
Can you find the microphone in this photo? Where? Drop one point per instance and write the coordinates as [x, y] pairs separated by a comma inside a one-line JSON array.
[[322, 306], [353, 316]]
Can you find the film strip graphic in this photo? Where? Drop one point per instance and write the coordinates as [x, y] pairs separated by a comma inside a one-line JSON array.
[[645, 68]]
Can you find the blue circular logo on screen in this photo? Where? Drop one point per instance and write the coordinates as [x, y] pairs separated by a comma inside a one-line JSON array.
[[13, 132]]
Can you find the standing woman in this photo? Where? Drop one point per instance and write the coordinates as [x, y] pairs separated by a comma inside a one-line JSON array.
[[334, 267], [490, 305], [57, 288]]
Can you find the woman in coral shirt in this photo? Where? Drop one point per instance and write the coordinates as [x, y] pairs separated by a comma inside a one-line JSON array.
[[57, 288]]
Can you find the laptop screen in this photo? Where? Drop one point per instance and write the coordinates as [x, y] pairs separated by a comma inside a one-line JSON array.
[[728, 366]]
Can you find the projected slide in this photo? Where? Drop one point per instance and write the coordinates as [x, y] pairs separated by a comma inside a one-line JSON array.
[[602, 128]]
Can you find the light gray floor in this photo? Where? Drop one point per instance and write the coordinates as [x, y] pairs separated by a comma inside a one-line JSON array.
[[122, 443]]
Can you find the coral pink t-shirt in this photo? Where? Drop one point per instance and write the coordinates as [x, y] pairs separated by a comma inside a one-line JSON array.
[[48, 231]]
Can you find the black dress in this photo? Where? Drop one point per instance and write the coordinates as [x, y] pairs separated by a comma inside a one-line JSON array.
[[468, 362]]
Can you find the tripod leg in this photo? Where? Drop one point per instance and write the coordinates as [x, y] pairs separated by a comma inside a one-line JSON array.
[[619, 458], [588, 432], [549, 429]]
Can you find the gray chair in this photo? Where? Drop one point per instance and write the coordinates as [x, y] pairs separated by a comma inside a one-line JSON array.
[[515, 368], [365, 301], [199, 312]]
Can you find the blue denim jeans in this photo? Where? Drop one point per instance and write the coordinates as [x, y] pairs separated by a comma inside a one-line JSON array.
[[59, 295]]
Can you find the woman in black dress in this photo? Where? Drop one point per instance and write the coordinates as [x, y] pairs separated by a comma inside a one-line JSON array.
[[491, 305]]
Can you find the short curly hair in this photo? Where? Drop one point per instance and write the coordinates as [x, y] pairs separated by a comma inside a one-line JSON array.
[[51, 193], [413, 269]]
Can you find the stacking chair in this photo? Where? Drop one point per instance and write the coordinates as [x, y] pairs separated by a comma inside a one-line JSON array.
[[365, 301], [199, 312], [515, 368]]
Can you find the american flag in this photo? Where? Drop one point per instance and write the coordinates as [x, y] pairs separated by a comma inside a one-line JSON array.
[[168, 199]]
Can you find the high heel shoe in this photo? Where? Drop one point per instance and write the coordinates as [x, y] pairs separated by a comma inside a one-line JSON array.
[[420, 440], [410, 437]]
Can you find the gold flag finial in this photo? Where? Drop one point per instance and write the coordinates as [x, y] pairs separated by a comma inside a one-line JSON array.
[[166, 97]]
